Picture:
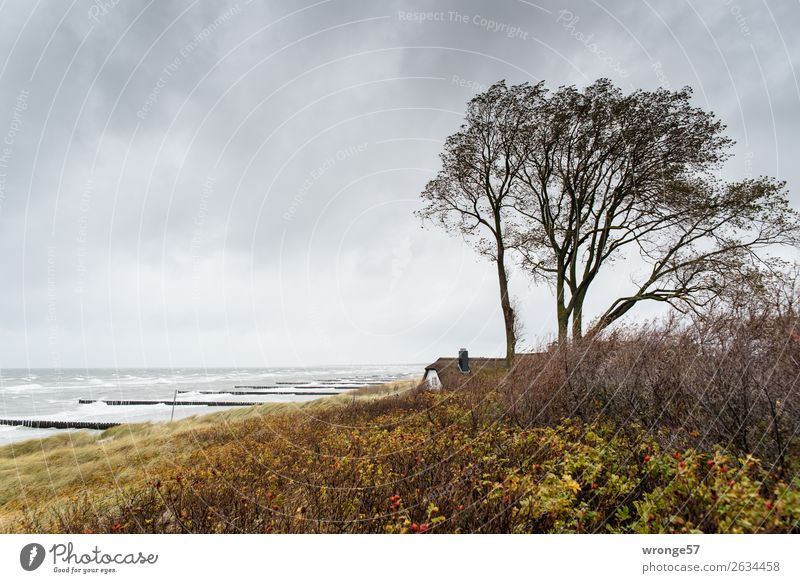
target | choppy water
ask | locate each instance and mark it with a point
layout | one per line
(51, 394)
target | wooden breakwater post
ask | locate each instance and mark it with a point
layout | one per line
(48, 424)
(300, 386)
(174, 399)
(261, 393)
(186, 403)
(289, 386)
(330, 387)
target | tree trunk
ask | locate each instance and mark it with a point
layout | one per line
(577, 324)
(505, 303)
(562, 317)
(577, 316)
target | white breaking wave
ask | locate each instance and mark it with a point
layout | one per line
(55, 394)
(19, 388)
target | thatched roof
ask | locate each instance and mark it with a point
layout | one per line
(451, 376)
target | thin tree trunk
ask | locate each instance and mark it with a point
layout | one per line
(505, 303)
(562, 317)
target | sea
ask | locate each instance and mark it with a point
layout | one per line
(48, 394)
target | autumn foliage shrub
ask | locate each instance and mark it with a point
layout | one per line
(729, 379)
(431, 462)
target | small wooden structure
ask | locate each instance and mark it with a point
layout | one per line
(445, 373)
(454, 373)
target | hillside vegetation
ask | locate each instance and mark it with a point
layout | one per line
(414, 461)
(48, 473)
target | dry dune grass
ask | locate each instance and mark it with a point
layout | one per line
(59, 466)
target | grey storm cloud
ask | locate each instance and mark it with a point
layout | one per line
(233, 183)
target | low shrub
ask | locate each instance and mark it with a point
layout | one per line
(430, 462)
(731, 378)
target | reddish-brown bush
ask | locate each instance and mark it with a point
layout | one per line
(731, 378)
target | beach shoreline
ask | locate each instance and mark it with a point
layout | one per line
(64, 465)
(81, 395)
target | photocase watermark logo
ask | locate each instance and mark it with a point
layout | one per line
(569, 21)
(31, 556)
(65, 558)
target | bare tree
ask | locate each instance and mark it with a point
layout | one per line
(476, 192)
(607, 174)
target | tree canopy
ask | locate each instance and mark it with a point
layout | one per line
(566, 182)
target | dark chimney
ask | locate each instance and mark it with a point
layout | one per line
(463, 360)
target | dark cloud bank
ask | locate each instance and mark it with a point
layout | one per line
(212, 183)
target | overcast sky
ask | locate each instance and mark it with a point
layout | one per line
(209, 183)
